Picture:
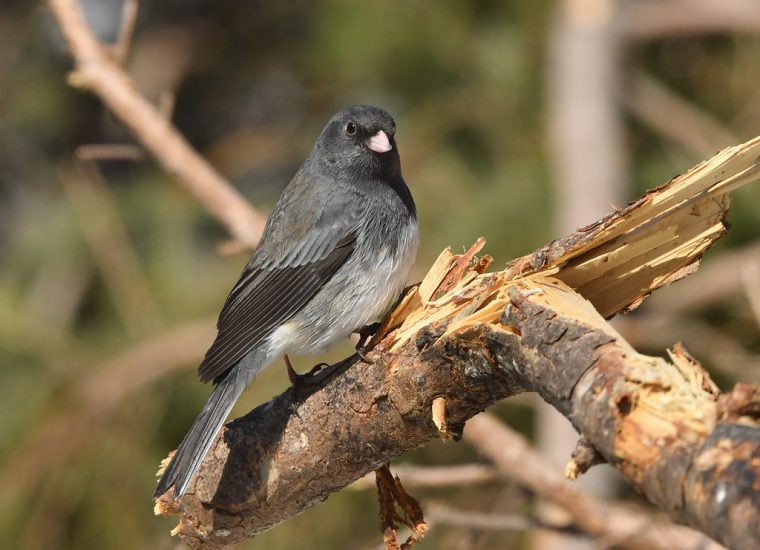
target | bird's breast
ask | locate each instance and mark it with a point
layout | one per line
(361, 290)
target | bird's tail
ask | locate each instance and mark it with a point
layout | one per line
(198, 440)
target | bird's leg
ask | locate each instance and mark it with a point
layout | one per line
(301, 379)
(302, 385)
(365, 343)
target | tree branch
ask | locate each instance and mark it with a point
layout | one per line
(653, 19)
(615, 524)
(99, 73)
(674, 117)
(539, 325)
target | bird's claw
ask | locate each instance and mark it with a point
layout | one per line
(367, 332)
(365, 343)
(361, 352)
(316, 369)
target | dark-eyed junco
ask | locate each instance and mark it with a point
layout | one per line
(336, 252)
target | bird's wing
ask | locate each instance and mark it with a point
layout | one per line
(278, 282)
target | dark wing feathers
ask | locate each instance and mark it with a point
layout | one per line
(269, 294)
(247, 280)
(316, 245)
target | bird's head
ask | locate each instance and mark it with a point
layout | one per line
(360, 140)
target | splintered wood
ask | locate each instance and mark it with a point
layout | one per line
(615, 263)
(657, 239)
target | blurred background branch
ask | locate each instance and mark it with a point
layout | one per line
(98, 72)
(657, 19)
(612, 524)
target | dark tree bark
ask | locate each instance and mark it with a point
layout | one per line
(690, 450)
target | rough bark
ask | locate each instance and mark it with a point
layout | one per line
(690, 450)
(474, 338)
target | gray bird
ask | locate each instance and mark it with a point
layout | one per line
(337, 251)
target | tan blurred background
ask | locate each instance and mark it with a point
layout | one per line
(518, 121)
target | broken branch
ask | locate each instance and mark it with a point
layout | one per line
(537, 326)
(97, 71)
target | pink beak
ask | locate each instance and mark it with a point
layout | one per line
(379, 142)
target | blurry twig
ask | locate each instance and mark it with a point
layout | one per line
(751, 278)
(546, 478)
(435, 476)
(651, 19)
(621, 525)
(675, 118)
(111, 151)
(440, 514)
(129, 12)
(166, 104)
(97, 71)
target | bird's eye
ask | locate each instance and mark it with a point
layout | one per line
(350, 128)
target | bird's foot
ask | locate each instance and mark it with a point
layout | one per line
(366, 343)
(306, 379)
(303, 385)
(367, 332)
(361, 352)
